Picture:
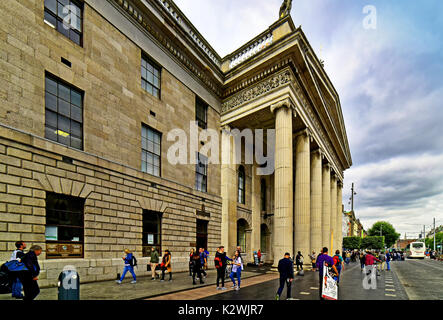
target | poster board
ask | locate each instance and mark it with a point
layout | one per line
(329, 285)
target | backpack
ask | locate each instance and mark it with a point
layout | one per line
(218, 263)
(133, 262)
(337, 261)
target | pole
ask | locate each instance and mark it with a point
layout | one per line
(434, 234)
(352, 198)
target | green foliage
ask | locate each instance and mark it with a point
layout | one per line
(372, 243)
(388, 231)
(438, 240)
(351, 242)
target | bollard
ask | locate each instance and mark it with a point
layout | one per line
(69, 285)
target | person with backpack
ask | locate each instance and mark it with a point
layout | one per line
(18, 254)
(130, 263)
(338, 263)
(220, 263)
(154, 262)
(286, 270)
(236, 270)
(166, 265)
(196, 268)
(29, 277)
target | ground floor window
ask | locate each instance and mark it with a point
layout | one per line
(64, 226)
(152, 226)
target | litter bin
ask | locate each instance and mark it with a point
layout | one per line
(69, 285)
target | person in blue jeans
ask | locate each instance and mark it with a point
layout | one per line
(388, 261)
(129, 266)
(18, 255)
(237, 267)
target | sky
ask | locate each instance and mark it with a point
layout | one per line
(390, 84)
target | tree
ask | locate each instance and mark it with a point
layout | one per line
(438, 240)
(351, 243)
(387, 231)
(372, 242)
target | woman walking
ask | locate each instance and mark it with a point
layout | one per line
(191, 255)
(166, 265)
(237, 267)
(299, 261)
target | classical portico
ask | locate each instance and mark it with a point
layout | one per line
(282, 86)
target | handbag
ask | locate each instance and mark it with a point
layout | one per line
(15, 266)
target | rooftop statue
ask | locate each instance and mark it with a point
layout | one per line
(285, 9)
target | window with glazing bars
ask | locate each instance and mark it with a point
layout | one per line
(151, 151)
(151, 77)
(201, 113)
(241, 185)
(66, 17)
(64, 113)
(201, 173)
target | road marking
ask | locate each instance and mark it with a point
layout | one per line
(390, 295)
(305, 293)
(314, 288)
(391, 290)
(389, 285)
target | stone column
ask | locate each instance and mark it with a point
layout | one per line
(333, 214)
(283, 188)
(316, 202)
(302, 203)
(326, 212)
(256, 210)
(340, 216)
(228, 192)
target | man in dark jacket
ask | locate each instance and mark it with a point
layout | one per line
(286, 269)
(29, 278)
(196, 268)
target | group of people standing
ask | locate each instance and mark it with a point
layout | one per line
(27, 278)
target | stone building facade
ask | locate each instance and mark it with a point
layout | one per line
(86, 110)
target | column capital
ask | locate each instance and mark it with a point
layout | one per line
(327, 166)
(286, 103)
(317, 151)
(306, 132)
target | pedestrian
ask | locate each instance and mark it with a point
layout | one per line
(130, 263)
(370, 261)
(18, 254)
(362, 260)
(339, 264)
(299, 261)
(196, 268)
(382, 258)
(239, 250)
(191, 265)
(166, 265)
(324, 260)
(203, 260)
(286, 270)
(313, 258)
(259, 256)
(155, 259)
(29, 278)
(388, 261)
(347, 257)
(237, 267)
(207, 255)
(220, 263)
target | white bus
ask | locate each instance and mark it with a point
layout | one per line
(416, 250)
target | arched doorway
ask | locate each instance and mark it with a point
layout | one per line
(265, 242)
(244, 238)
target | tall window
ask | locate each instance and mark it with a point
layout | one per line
(151, 77)
(64, 225)
(66, 17)
(64, 113)
(263, 194)
(201, 113)
(151, 151)
(241, 185)
(201, 173)
(202, 234)
(152, 225)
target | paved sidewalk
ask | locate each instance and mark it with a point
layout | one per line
(143, 289)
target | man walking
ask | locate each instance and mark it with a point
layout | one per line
(155, 259)
(286, 270)
(324, 260)
(29, 278)
(388, 261)
(203, 261)
(18, 255)
(339, 264)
